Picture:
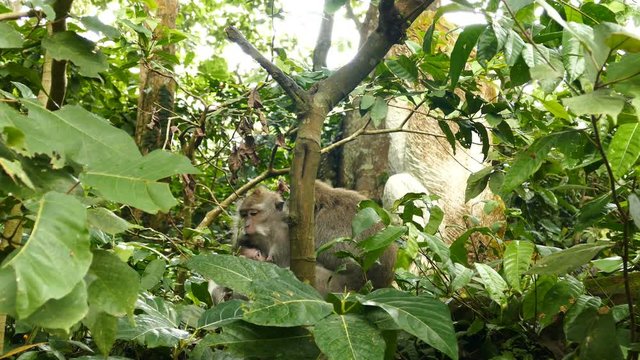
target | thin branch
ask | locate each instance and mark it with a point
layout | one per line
(299, 96)
(21, 14)
(323, 44)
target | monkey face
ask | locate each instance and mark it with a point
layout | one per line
(259, 211)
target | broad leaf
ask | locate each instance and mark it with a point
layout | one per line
(285, 302)
(516, 261)
(558, 299)
(223, 314)
(156, 326)
(11, 38)
(379, 111)
(94, 24)
(62, 313)
(493, 283)
(348, 337)
(599, 102)
(364, 220)
(104, 329)
(624, 150)
(58, 244)
(422, 316)
(67, 45)
(527, 162)
(436, 215)
(561, 262)
(513, 48)
(597, 334)
(152, 274)
(464, 45)
(477, 182)
(105, 220)
(114, 286)
(250, 341)
(382, 239)
(404, 68)
(572, 56)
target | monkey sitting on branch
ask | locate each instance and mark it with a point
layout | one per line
(264, 236)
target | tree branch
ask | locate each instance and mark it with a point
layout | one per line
(323, 44)
(299, 96)
(20, 14)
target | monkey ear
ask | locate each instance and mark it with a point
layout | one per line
(280, 205)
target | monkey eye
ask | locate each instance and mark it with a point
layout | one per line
(253, 212)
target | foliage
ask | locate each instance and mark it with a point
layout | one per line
(81, 274)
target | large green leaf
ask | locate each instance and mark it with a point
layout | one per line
(152, 274)
(62, 313)
(58, 244)
(516, 261)
(564, 261)
(235, 272)
(527, 162)
(558, 299)
(348, 337)
(157, 325)
(104, 329)
(114, 284)
(597, 335)
(599, 102)
(477, 182)
(67, 45)
(464, 45)
(617, 37)
(105, 220)
(513, 48)
(572, 56)
(379, 111)
(223, 314)
(494, 284)
(285, 301)
(404, 68)
(382, 239)
(624, 150)
(10, 38)
(422, 316)
(250, 341)
(135, 182)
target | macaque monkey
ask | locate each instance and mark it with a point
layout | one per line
(263, 216)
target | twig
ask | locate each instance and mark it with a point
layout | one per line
(20, 14)
(300, 97)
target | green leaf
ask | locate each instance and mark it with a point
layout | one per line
(285, 301)
(494, 284)
(156, 326)
(348, 337)
(248, 341)
(516, 261)
(404, 68)
(436, 215)
(364, 220)
(527, 162)
(15, 171)
(58, 244)
(379, 111)
(136, 182)
(487, 45)
(593, 211)
(558, 299)
(513, 48)
(464, 45)
(422, 316)
(618, 38)
(477, 182)
(114, 286)
(104, 329)
(224, 313)
(624, 149)
(11, 38)
(634, 209)
(105, 220)
(152, 274)
(67, 45)
(437, 246)
(235, 272)
(367, 101)
(597, 333)
(572, 56)
(515, 5)
(562, 262)
(599, 102)
(94, 24)
(382, 239)
(62, 313)
(556, 109)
